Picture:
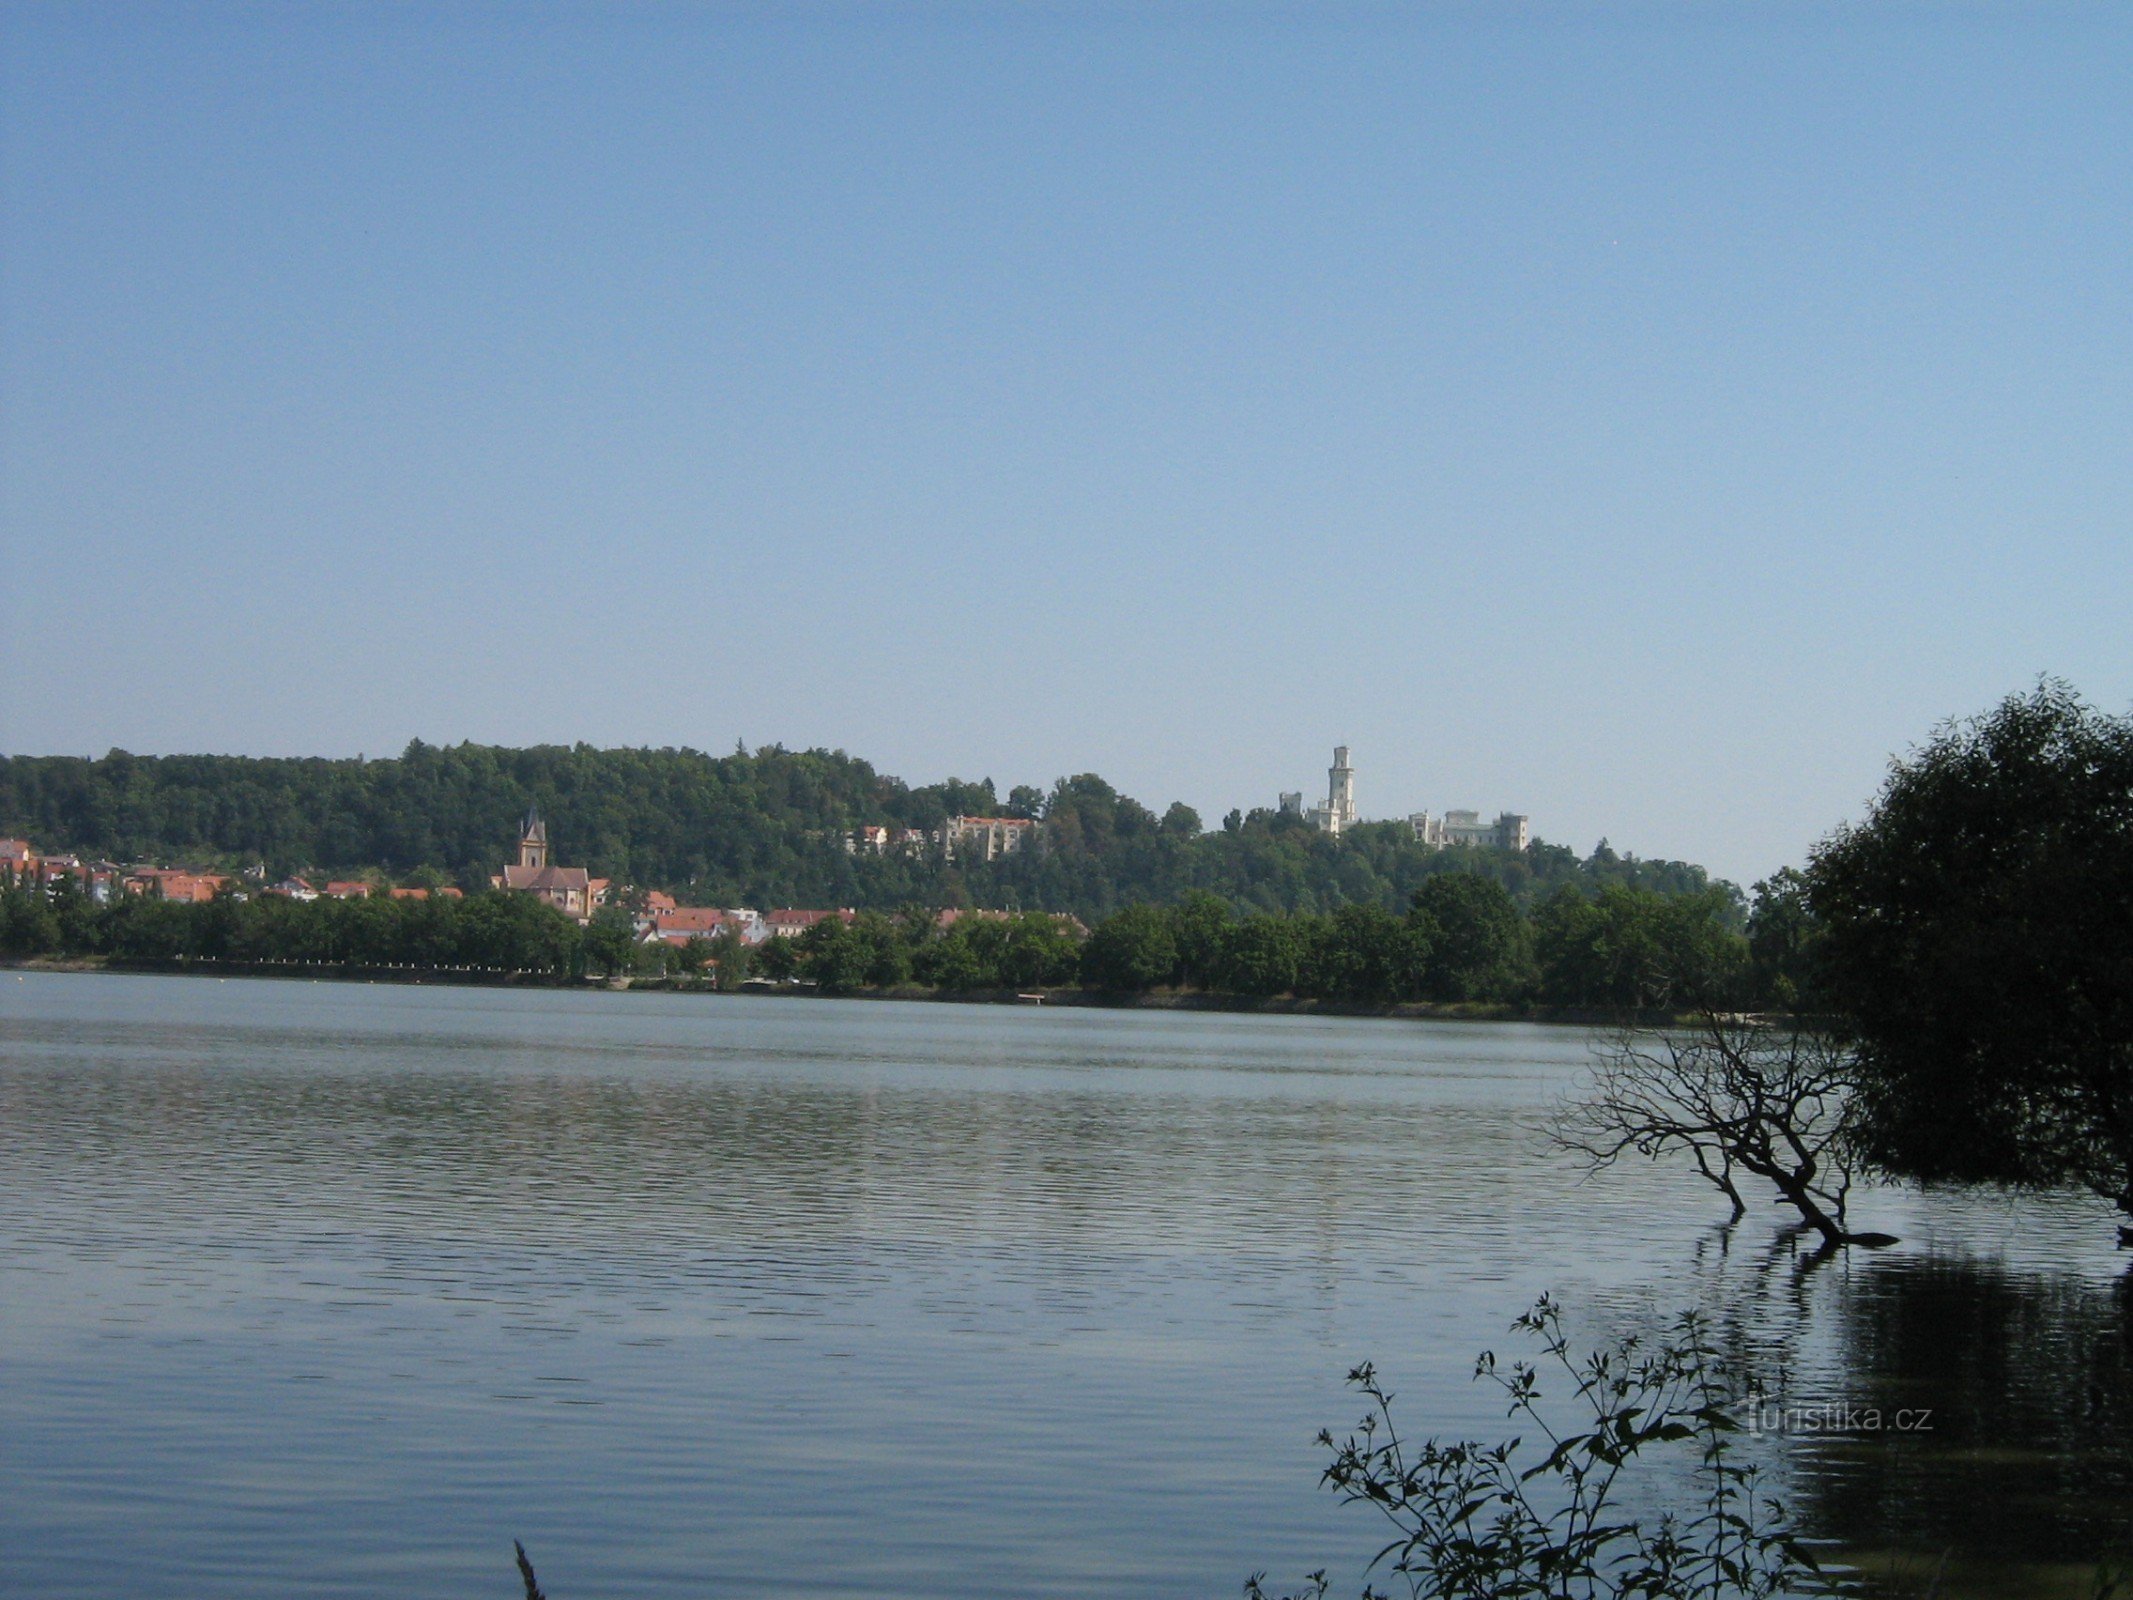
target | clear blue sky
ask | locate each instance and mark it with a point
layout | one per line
(1647, 418)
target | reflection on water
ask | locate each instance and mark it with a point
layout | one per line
(305, 1288)
(2026, 1456)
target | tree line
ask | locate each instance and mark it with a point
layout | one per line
(763, 828)
(1462, 939)
(489, 931)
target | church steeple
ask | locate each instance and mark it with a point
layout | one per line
(533, 840)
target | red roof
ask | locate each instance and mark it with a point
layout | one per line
(551, 878)
(790, 918)
(687, 920)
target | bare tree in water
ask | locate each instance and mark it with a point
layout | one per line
(1739, 1098)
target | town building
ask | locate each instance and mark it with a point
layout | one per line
(174, 883)
(788, 923)
(662, 921)
(1509, 831)
(571, 890)
(985, 838)
(677, 925)
(23, 867)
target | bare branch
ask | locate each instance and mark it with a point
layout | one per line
(1737, 1096)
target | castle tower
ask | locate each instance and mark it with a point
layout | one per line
(1340, 791)
(533, 840)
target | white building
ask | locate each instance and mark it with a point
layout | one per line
(1509, 831)
(1339, 810)
(985, 838)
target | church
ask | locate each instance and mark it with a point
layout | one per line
(571, 890)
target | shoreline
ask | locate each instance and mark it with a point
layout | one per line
(1153, 1000)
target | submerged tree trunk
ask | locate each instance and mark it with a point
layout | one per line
(1738, 1097)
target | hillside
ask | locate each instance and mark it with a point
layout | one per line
(761, 828)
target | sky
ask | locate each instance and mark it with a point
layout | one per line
(1651, 419)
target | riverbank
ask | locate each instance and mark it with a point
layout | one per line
(1153, 1000)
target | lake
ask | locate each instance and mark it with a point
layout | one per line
(328, 1289)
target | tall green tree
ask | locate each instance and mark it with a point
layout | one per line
(1976, 938)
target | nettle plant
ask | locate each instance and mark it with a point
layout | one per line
(1546, 1517)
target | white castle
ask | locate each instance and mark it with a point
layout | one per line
(1510, 830)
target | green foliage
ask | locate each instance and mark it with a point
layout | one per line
(1473, 943)
(765, 828)
(1463, 941)
(492, 932)
(1199, 923)
(776, 959)
(610, 941)
(869, 952)
(1974, 936)
(1262, 955)
(1029, 951)
(729, 959)
(1363, 953)
(1631, 948)
(1133, 951)
(1548, 1514)
(1783, 943)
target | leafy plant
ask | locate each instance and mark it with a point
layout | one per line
(1476, 1521)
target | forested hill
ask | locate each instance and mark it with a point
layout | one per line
(764, 828)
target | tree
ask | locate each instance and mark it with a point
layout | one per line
(1262, 955)
(776, 959)
(1476, 940)
(1363, 953)
(1133, 951)
(1735, 1098)
(729, 959)
(1197, 924)
(1782, 943)
(1976, 943)
(610, 941)
(1632, 948)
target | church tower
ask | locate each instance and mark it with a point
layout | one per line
(533, 840)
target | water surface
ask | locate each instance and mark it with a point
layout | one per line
(310, 1288)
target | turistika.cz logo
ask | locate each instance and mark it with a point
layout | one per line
(1765, 1415)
